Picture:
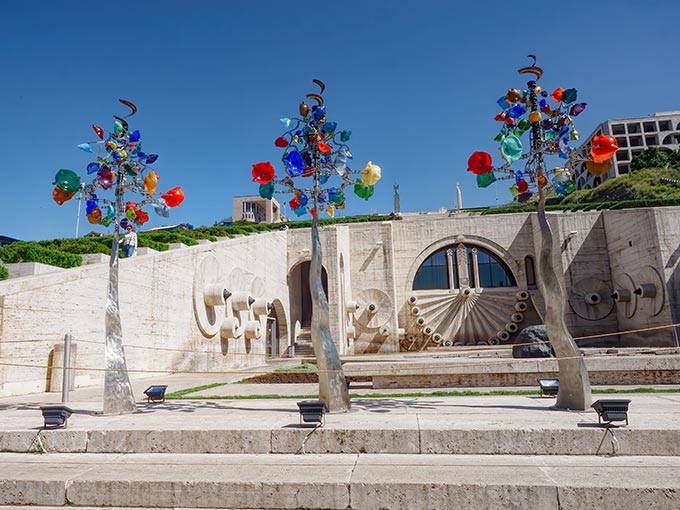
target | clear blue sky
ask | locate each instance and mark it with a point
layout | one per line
(416, 82)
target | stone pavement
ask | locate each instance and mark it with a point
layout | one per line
(411, 452)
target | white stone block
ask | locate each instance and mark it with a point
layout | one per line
(94, 258)
(21, 269)
(144, 251)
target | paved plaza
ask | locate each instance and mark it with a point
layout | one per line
(387, 452)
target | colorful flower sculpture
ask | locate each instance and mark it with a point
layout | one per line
(549, 120)
(314, 148)
(120, 162)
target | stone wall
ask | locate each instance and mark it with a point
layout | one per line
(167, 324)
(158, 312)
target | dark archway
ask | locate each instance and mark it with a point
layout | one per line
(300, 295)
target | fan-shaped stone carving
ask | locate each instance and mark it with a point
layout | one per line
(468, 317)
(591, 298)
(209, 296)
(375, 308)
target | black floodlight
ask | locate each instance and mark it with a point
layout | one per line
(312, 411)
(155, 393)
(55, 416)
(609, 410)
(549, 386)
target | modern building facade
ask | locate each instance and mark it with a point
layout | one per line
(256, 209)
(634, 135)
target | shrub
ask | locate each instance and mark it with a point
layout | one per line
(80, 245)
(169, 236)
(33, 252)
(4, 274)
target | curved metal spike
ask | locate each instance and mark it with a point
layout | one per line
(317, 98)
(321, 85)
(129, 104)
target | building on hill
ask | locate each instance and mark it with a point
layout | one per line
(179, 226)
(255, 209)
(634, 135)
(7, 240)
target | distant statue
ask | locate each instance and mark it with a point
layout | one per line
(396, 199)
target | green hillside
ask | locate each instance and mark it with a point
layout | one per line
(647, 184)
(649, 187)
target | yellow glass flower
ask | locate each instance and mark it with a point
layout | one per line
(371, 174)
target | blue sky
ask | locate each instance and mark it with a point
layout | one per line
(416, 82)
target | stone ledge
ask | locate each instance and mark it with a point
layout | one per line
(94, 258)
(428, 438)
(143, 250)
(21, 269)
(461, 372)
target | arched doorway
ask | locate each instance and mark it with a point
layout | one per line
(276, 331)
(300, 295)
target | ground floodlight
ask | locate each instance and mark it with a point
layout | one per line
(609, 410)
(312, 411)
(155, 393)
(55, 416)
(549, 386)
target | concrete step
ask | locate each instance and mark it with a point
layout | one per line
(303, 350)
(362, 481)
(586, 440)
(456, 372)
(487, 425)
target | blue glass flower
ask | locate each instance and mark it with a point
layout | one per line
(516, 111)
(91, 204)
(294, 163)
(318, 113)
(503, 103)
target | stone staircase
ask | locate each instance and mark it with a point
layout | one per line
(466, 452)
(303, 343)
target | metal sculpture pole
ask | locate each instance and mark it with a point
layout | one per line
(118, 396)
(314, 148)
(549, 135)
(332, 384)
(574, 392)
(120, 164)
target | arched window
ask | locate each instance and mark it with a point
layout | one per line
(433, 273)
(492, 272)
(531, 272)
(479, 267)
